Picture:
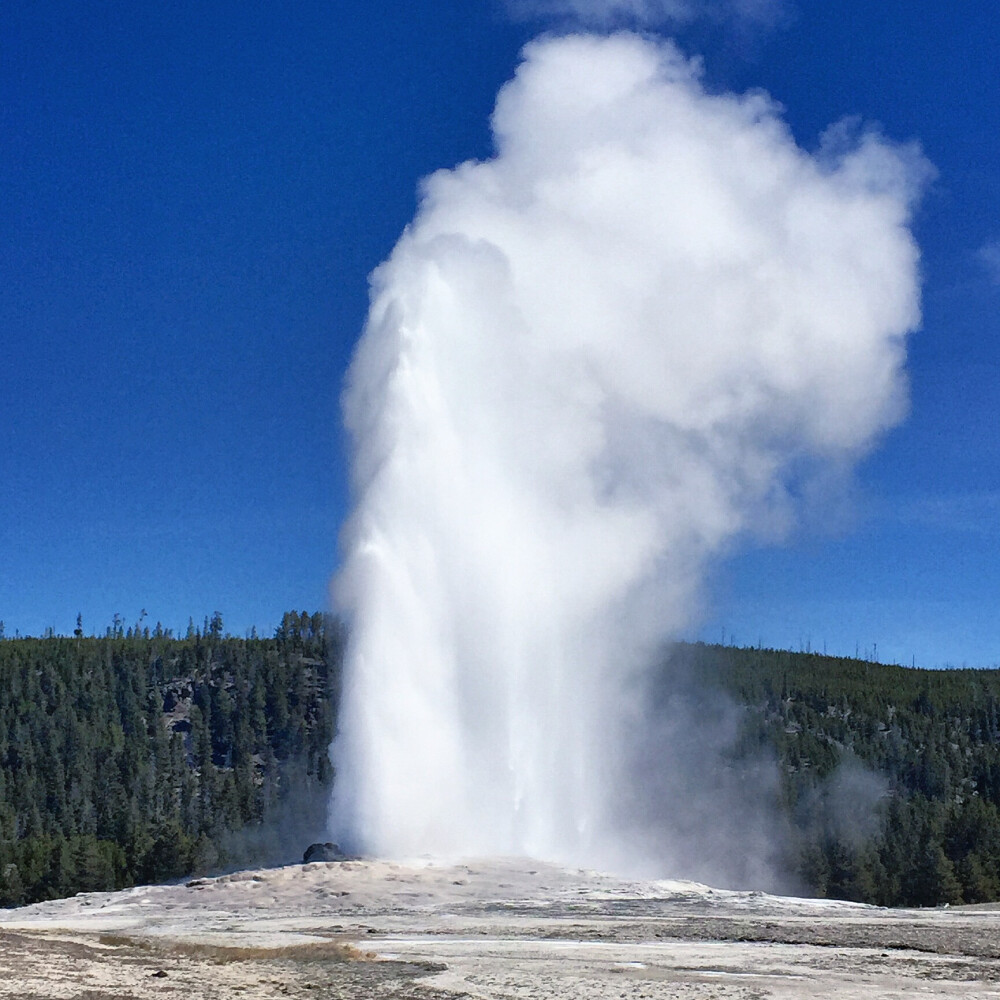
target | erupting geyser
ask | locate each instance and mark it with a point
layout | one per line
(590, 364)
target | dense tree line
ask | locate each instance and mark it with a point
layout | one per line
(914, 753)
(138, 757)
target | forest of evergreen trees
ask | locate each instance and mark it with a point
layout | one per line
(919, 748)
(140, 757)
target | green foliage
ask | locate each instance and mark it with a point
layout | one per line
(932, 739)
(140, 757)
(134, 756)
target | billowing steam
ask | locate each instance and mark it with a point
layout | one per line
(591, 364)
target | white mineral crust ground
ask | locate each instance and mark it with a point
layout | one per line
(498, 928)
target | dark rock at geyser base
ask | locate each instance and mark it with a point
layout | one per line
(324, 852)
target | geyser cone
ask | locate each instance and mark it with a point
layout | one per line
(590, 364)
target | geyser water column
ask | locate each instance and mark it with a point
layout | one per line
(591, 363)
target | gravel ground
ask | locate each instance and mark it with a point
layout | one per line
(496, 929)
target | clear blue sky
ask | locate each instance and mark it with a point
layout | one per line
(194, 194)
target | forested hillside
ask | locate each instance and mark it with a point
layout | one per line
(138, 757)
(918, 752)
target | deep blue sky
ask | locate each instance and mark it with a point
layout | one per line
(194, 194)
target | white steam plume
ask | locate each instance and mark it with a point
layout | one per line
(590, 364)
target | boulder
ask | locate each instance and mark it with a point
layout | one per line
(323, 852)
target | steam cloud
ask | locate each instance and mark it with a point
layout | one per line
(591, 365)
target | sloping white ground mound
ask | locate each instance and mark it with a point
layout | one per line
(511, 929)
